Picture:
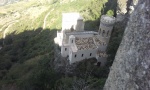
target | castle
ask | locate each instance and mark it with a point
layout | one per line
(78, 44)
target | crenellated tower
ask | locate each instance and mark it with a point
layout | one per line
(105, 30)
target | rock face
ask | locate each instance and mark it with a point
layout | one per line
(131, 67)
(124, 8)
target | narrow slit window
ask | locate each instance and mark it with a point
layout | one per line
(75, 55)
(82, 55)
(107, 33)
(90, 54)
(65, 49)
(99, 31)
(72, 41)
(103, 33)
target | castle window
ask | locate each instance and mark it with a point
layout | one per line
(90, 54)
(98, 64)
(65, 49)
(75, 55)
(107, 33)
(82, 55)
(103, 33)
(99, 31)
(72, 41)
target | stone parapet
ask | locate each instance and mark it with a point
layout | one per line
(108, 20)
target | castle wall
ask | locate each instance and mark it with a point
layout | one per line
(105, 32)
(102, 60)
(81, 55)
(71, 40)
(59, 38)
(102, 48)
(80, 25)
(65, 50)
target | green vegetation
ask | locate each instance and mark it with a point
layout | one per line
(27, 57)
(110, 13)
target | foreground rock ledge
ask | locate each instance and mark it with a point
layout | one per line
(131, 67)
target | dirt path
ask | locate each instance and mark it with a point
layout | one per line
(44, 24)
(6, 27)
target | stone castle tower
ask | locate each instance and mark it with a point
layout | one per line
(105, 30)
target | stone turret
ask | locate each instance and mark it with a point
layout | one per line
(105, 29)
(109, 20)
(106, 26)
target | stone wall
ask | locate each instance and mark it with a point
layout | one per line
(131, 67)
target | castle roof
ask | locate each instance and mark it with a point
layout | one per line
(98, 41)
(85, 43)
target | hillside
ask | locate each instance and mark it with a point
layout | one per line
(27, 54)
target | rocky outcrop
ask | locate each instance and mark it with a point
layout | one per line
(124, 8)
(131, 67)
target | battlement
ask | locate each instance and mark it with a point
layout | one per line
(108, 20)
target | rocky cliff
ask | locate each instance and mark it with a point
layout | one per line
(131, 67)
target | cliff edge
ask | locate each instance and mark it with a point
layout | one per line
(131, 67)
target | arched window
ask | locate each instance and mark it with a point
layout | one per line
(107, 33)
(100, 31)
(103, 33)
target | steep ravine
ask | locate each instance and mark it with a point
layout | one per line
(131, 67)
